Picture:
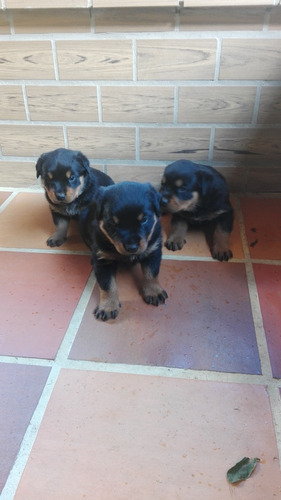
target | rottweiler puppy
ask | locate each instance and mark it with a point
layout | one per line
(70, 185)
(197, 194)
(124, 226)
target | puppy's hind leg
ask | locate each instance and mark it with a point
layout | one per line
(60, 236)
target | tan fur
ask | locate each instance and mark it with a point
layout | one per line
(177, 205)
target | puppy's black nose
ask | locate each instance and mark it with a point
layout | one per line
(60, 196)
(131, 247)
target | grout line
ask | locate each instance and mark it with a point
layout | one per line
(8, 201)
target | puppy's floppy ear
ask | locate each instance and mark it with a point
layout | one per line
(204, 182)
(39, 165)
(155, 198)
(83, 160)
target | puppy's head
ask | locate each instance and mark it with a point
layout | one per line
(180, 187)
(127, 214)
(62, 173)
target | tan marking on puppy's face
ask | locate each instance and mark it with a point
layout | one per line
(70, 193)
(176, 204)
(178, 182)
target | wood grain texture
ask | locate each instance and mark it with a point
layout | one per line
(218, 18)
(51, 21)
(128, 20)
(4, 24)
(45, 4)
(103, 142)
(251, 59)
(136, 173)
(248, 145)
(134, 3)
(11, 103)
(18, 174)
(216, 104)
(176, 59)
(270, 105)
(26, 60)
(62, 103)
(174, 143)
(29, 140)
(95, 59)
(137, 104)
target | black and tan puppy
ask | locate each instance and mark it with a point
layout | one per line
(197, 194)
(70, 185)
(125, 226)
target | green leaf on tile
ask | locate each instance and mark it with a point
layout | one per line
(242, 470)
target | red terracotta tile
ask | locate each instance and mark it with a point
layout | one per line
(118, 436)
(262, 217)
(38, 295)
(27, 223)
(4, 196)
(21, 388)
(268, 280)
(206, 323)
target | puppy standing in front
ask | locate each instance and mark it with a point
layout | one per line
(124, 226)
(70, 185)
(197, 194)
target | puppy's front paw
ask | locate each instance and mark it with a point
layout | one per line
(175, 243)
(107, 310)
(154, 294)
(221, 254)
(55, 240)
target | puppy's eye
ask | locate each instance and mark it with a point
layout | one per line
(72, 178)
(144, 220)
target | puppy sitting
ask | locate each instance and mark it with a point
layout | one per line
(197, 194)
(70, 185)
(125, 226)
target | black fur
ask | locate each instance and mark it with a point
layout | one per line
(70, 186)
(124, 225)
(205, 189)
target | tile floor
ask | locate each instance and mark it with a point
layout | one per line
(158, 404)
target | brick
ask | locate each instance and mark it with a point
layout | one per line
(103, 142)
(134, 20)
(270, 105)
(275, 19)
(45, 4)
(95, 60)
(226, 3)
(26, 60)
(11, 103)
(61, 103)
(4, 24)
(135, 3)
(234, 177)
(251, 59)
(136, 173)
(247, 145)
(216, 104)
(219, 18)
(29, 140)
(18, 174)
(137, 104)
(170, 144)
(176, 59)
(52, 21)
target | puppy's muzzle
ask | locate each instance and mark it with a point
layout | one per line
(60, 196)
(131, 247)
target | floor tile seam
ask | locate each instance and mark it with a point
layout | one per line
(254, 299)
(7, 202)
(45, 251)
(30, 435)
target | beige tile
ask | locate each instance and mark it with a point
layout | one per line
(60, 103)
(174, 143)
(275, 19)
(216, 104)
(134, 3)
(137, 104)
(103, 142)
(142, 437)
(247, 145)
(52, 21)
(264, 180)
(29, 140)
(17, 174)
(141, 173)
(251, 59)
(234, 176)
(45, 4)
(220, 18)
(226, 3)
(4, 24)
(134, 20)
(26, 60)
(270, 105)
(176, 59)
(11, 103)
(95, 59)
